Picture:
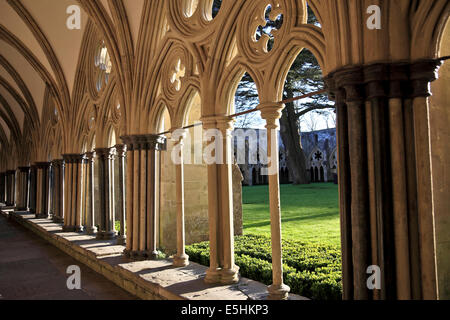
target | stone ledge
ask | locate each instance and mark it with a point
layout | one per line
(149, 280)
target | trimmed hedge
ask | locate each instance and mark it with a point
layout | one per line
(311, 270)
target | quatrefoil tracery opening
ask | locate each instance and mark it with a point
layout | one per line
(268, 30)
(103, 66)
(178, 73)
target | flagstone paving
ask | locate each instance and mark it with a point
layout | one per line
(33, 269)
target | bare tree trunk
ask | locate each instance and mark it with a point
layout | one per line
(296, 160)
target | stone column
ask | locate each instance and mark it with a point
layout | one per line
(33, 189)
(90, 194)
(422, 73)
(271, 112)
(105, 158)
(80, 192)
(121, 151)
(220, 205)
(19, 187)
(68, 160)
(73, 197)
(2, 188)
(385, 179)
(42, 192)
(11, 188)
(141, 197)
(58, 191)
(181, 259)
(24, 189)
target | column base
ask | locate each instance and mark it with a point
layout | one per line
(42, 216)
(69, 229)
(229, 276)
(21, 209)
(106, 235)
(91, 230)
(181, 261)
(121, 240)
(58, 219)
(141, 255)
(278, 292)
(213, 276)
(79, 229)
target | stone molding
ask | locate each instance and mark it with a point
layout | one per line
(105, 153)
(58, 162)
(121, 150)
(383, 80)
(43, 165)
(74, 158)
(145, 142)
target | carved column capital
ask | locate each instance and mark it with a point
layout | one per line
(105, 153)
(399, 77)
(121, 150)
(376, 78)
(73, 158)
(209, 122)
(421, 74)
(58, 162)
(90, 156)
(351, 80)
(391, 80)
(271, 112)
(225, 124)
(43, 165)
(145, 142)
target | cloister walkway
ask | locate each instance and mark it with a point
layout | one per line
(33, 269)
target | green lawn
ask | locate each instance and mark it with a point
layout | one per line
(308, 212)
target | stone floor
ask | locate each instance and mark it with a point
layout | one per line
(144, 279)
(33, 269)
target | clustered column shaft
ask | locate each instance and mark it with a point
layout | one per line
(121, 151)
(90, 223)
(73, 197)
(42, 190)
(220, 205)
(385, 179)
(58, 191)
(141, 197)
(3, 187)
(105, 158)
(10, 188)
(23, 202)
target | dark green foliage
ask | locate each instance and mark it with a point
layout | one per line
(311, 270)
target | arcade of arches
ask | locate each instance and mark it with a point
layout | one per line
(81, 112)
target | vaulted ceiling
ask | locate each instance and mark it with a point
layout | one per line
(38, 51)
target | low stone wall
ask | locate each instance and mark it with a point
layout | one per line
(149, 280)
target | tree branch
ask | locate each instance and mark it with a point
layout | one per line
(307, 110)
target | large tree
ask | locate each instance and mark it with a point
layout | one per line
(305, 76)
